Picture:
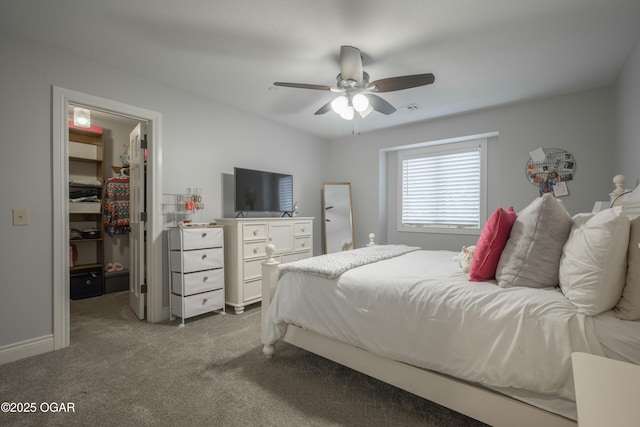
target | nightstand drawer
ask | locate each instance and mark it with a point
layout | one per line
(198, 260)
(199, 238)
(197, 304)
(254, 231)
(201, 281)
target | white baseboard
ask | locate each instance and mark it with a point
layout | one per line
(24, 349)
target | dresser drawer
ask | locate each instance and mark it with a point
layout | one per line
(302, 243)
(198, 260)
(199, 238)
(197, 282)
(254, 249)
(252, 289)
(197, 304)
(302, 228)
(253, 268)
(254, 231)
(295, 256)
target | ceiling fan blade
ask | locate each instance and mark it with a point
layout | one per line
(402, 82)
(351, 63)
(303, 86)
(325, 108)
(380, 104)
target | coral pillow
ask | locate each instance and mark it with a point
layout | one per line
(492, 240)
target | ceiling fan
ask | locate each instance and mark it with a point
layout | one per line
(357, 92)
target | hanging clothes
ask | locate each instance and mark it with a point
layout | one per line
(116, 206)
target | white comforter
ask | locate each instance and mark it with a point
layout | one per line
(420, 308)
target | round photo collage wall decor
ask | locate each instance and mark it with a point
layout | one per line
(550, 169)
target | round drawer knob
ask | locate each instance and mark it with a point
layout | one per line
(302, 229)
(204, 300)
(205, 278)
(302, 244)
(255, 250)
(255, 232)
(204, 235)
(204, 256)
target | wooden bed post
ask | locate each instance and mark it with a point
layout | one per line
(269, 283)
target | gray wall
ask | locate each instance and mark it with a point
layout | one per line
(581, 123)
(627, 152)
(201, 141)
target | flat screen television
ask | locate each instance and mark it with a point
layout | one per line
(262, 191)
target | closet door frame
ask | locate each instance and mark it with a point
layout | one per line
(61, 299)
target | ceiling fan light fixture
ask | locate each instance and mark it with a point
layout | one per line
(364, 113)
(347, 113)
(360, 102)
(340, 104)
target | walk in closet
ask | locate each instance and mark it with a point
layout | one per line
(99, 189)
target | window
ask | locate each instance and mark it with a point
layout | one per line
(442, 188)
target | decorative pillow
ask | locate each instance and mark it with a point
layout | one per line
(490, 245)
(594, 261)
(532, 254)
(628, 307)
(465, 258)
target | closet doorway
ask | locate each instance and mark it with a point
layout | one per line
(103, 254)
(141, 252)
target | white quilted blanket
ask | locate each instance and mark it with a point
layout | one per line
(333, 265)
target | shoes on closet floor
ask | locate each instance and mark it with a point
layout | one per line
(116, 266)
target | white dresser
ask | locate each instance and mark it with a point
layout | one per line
(244, 246)
(196, 270)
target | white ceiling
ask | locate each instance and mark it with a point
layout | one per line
(482, 52)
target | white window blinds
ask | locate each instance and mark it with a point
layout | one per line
(442, 186)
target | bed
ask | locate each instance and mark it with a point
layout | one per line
(497, 350)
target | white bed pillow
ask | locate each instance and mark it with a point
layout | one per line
(532, 254)
(593, 266)
(628, 307)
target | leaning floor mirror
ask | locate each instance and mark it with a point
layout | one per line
(337, 216)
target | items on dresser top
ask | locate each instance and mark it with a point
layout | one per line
(196, 267)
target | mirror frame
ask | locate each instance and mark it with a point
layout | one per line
(326, 185)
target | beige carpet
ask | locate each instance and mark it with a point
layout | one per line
(119, 371)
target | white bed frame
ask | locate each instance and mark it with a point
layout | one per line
(474, 401)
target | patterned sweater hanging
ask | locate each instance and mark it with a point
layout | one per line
(116, 206)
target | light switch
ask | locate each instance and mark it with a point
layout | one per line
(21, 217)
